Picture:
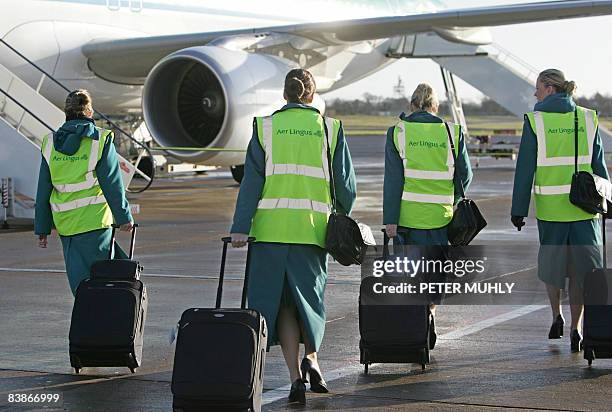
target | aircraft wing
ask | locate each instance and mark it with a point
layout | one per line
(130, 60)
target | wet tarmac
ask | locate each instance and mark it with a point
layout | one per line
(487, 357)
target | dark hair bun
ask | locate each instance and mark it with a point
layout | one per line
(296, 87)
(299, 86)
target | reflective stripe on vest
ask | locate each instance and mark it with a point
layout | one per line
(556, 150)
(90, 181)
(285, 203)
(75, 204)
(552, 190)
(423, 198)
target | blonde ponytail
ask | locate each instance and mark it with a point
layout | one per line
(556, 79)
(424, 98)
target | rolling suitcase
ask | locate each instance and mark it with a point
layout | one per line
(220, 355)
(109, 313)
(391, 332)
(597, 323)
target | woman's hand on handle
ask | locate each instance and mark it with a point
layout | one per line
(391, 230)
(239, 239)
(42, 241)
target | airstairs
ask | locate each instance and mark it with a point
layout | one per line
(26, 117)
(493, 70)
(453, 98)
(498, 74)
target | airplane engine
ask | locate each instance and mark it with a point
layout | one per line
(205, 97)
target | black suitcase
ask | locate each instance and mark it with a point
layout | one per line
(108, 315)
(597, 322)
(391, 333)
(220, 355)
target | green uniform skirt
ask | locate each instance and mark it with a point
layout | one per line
(81, 250)
(567, 247)
(289, 274)
(424, 237)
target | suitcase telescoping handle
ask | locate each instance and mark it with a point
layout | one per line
(385, 244)
(132, 242)
(227, 240)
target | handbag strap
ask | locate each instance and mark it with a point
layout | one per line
(576, 141)
(329, 167)
(452, 147)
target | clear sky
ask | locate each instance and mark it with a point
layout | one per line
(582, 48)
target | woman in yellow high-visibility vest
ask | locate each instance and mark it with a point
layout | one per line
(570, 238)
(79, 194)
(421, 177)
(284, 203)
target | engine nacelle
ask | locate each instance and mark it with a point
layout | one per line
(206, 97)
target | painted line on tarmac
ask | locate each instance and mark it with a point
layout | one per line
(33, 270)
(167, 275)
(514, 272)
(487, 323)
(160, 275)
(281, 392)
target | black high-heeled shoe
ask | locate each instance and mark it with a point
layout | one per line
(310, 374)
(556, 329)
(297, 394)
(576, 341)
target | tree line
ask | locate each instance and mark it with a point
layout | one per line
(377, 105)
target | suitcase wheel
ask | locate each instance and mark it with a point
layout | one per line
(424, 358)
(365, 369)
(589, 355)
(133, 370)
(77, 370)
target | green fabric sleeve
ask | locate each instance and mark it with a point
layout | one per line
(598, 163)
(393, 185)
(463, 169)
(344, 175)
(251, 186)
(525, 171)
(43, 219)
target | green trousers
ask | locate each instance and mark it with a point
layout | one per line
(81, 250)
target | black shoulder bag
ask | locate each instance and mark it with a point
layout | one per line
(467, 220)
(588, 191)
(344, 239)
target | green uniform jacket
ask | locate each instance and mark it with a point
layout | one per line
(81, 250)
(394, 183)
(584, 235)
(282, 273)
